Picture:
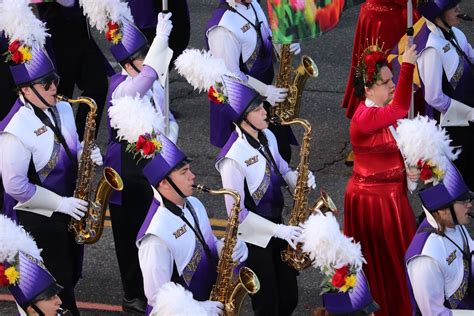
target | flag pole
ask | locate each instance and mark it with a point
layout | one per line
(410, 32)
(167, 84)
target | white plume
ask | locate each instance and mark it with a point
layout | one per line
(14, 238)
(173, 299)
(200, 68)
(422, 138)
(100, 12)
(327, 245)
(18, 22)
(231, 3)
(134, 116)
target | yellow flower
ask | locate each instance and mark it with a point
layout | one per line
(12, 275)
(158, 144)
(350, 283)
(116, 36)
(26, 52)
(438, 173)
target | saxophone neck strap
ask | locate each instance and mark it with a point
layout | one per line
(262, 146)
(176, 210)
(55, 128)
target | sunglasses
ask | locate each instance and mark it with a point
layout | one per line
(48, 81)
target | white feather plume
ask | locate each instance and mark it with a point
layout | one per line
(173, 299)
(134, 116)
(327, 245)
(18, 22)
(14, 238)
(421, 138)
(200, 68)
(100, 12)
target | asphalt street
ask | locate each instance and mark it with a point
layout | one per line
(100, 290)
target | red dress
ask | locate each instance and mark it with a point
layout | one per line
(376, 208)
(385, 20)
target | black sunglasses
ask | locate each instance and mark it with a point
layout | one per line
(48, 81)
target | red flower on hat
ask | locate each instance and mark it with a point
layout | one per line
(339, 278)
(147, 146)
(215, 95)
(17, 57)
(14, 46)
(140, 143)
(3, 278)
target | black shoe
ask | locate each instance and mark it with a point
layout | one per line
(135, 305)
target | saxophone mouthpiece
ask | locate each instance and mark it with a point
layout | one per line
(201, 187)
(470, 214)
(60, 97)
(465, 17)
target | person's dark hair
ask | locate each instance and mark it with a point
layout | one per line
(140, 54)
(360, 85)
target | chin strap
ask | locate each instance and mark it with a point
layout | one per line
(134, 67)
(252, 126)
(40, 97)
(37, 310)
(175, 187)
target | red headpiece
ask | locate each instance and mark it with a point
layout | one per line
(368, 66)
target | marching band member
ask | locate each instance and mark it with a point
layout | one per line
(40, 150)
(84, 65)
(447, 73)
(176, 243)
(21, 269)
(238, 33)
(439, 258)
(143, 74)
(250, 164)
(377, 212)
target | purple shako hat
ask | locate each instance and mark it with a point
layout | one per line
(431, 9)
(452, 188)
(241, 99)
(38, 67)
(132, 41)
(164, 162)
(357, 299)
(35, 282)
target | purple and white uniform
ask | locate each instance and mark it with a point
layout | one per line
(239, 163)
(169, 250)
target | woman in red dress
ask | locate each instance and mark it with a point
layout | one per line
(376, 208)
(384, 21)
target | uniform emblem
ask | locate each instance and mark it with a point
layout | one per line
(180, 231)
(43, 129)
(451, 257)
(245, 28)
(251, 160)
(446, 48)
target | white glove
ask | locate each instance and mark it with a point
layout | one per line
(96, 156)
(164, 25)
(295, 48)
(212, 308)
(73, 207)
(240, 252)
(311, 180)
(273, 94)
(288, 233)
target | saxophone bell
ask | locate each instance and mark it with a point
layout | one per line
(324, 204)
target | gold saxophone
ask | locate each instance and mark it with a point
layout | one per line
(226, 290)
(290, 108)
(89, 228)
(300, 212)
